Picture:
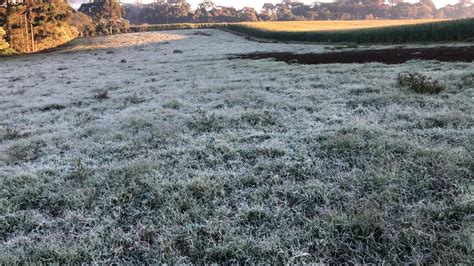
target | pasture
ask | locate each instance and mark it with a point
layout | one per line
(156, 148)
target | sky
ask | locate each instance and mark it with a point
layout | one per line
(257, 4)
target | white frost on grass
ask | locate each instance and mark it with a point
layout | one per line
(183, 142)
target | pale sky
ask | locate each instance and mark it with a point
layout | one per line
(257, 4)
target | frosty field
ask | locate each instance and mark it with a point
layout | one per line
(155, 147)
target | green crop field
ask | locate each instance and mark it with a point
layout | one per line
(390, 31)
(332, 25)
(444, 31)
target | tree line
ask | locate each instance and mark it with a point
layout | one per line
(208, 12)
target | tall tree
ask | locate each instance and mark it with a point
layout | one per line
(284, 12)
(248, 14)
(107, 14)
(268, 12)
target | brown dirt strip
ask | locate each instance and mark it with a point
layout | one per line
(386, 56)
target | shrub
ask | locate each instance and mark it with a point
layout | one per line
(177, 26)
(419, 83)
(4, 45)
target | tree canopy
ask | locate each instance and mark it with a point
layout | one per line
(208, 12)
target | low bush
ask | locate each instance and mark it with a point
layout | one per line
(177, 26)
(5, 48)
(419, 83)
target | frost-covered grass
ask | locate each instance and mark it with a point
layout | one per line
(139, 154)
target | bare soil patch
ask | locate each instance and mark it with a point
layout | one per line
(386, 56)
